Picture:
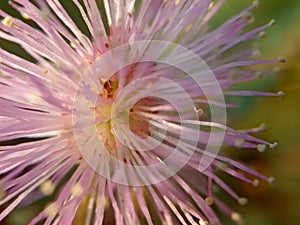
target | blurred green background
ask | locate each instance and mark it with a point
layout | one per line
(279, 204)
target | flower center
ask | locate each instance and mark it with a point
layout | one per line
(130, 117)
(104, 115)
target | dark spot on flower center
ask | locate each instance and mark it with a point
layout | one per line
(109, 88)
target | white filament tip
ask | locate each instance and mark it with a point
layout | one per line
(255, 4)
(281, 59)
(243, 201)
(261, 147)
(271, 180)
(255, 183)
(8, 21)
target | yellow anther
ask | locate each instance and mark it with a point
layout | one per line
(52, 209)
(8, 21)
(209, 200)
(236, 217)
(103, 201)
(203, 222)
(47, 188)
(25, 16)
(77, 189)
(73, 45)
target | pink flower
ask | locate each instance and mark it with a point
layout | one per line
(127, 96)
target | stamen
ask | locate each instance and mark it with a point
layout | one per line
(236, 217)
(73, 45)
(255, 183)
(77, 190)
(33, 99)
(25, 15)
(247, 16)
(261, 147)
(262, 34)
(203, 222)
(262, 126)
(103, 201)
(239, 143)
(271, 180)
(209, 200)
(8, 21)
(47, 188)
(274, 145)
(251, 20)
(52, 209)
(280, 94)
(271, 23)
(255, 4)
(243, 201)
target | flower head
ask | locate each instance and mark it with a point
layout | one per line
(125, 99)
